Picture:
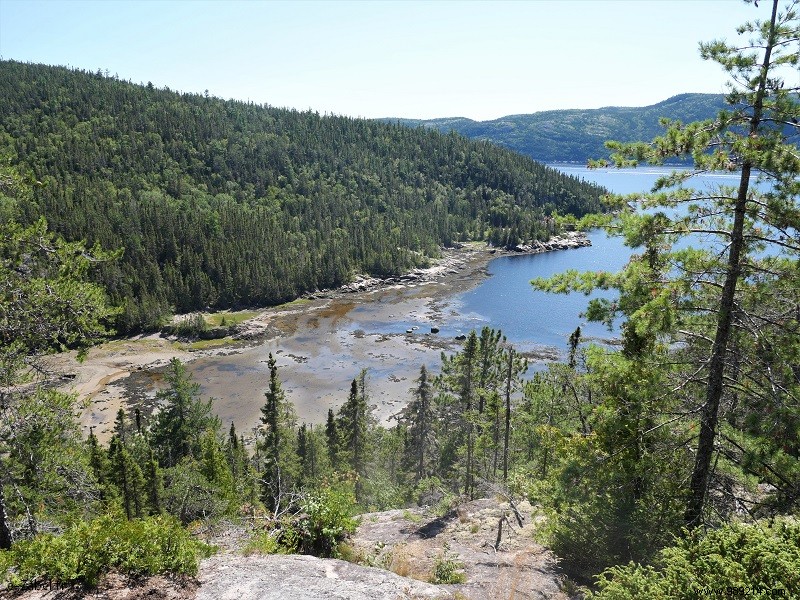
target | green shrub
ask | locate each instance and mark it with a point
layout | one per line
(447, 568)
(323, 520)
(759, 562)
(263, 542)
(191, 326)
(88, 549)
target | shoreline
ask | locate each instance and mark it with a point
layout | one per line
(122, 373)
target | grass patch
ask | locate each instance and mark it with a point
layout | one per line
(228, 318)
(412, 516)
(206, 344)
(293, 303)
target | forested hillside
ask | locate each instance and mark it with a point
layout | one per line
(225, 203)
(578, 135)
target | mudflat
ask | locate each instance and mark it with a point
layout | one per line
(320, 345)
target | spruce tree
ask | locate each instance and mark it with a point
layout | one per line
(353, 425)
(126, 472)
(459, 381)
(419, 418)
(277, 443)
(181, 423)
(332, 440)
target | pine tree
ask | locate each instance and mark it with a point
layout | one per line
(332, 440)
(154, 482)
(353, 424)
(277, 445)
(515, 367)
(50, 307)
(752, 138)
(708, 330)
(101, 467)
(459, 380)
(217, 471)
(126, 472)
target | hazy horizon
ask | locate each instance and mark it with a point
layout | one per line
(418, 60)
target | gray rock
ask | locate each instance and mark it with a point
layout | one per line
(278, 577)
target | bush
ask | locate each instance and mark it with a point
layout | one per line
(88, 549)
(319, 523)
(263, 542)
(758, 561)
(190, 326)
(447, 568)
(323, 522)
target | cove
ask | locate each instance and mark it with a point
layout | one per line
(321, 346)
(540, 322)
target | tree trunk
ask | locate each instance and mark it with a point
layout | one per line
(508, 415)
(709, 416)
(5, 532)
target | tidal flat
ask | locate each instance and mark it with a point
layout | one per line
(320, 345)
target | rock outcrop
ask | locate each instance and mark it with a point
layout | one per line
(566, 241)
(410, 541)
(276, 577)
(402, 546)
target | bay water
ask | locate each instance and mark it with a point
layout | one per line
(388, 332)
(537, 321)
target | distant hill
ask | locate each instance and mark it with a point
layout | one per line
(576, 135)
(227, 204)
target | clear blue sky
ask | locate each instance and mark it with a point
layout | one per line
(480, 60)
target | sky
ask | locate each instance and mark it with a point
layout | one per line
(481, 60)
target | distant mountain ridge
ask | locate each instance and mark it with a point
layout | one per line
(576, 135)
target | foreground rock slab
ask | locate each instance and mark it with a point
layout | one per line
(274, 577)
(411, 541)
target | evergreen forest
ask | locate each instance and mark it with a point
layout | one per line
(221, 204)
(665, 465)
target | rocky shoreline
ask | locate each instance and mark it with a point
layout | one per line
(453, 262)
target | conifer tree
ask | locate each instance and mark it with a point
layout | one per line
(514, 368)
(240, 467)
(419, 417)
(278, 439)
(126, 472)
(217, 471)
(332, 440)
(154, 481)
(708, 329)
(353, 425)
(101, 467)
(302, 451)
(48, 305)
(181, 423)
(459, 380)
